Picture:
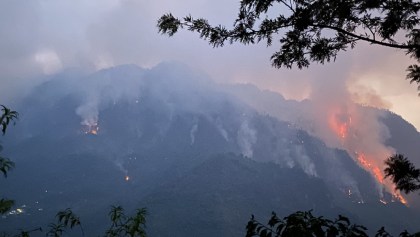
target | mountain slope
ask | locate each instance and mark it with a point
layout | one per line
(169, 139)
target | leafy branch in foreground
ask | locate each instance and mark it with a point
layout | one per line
(6, 164)
(7, 116)
(303, 224)
(5, 205)
(121, 225)
(313, 30)
(402, 173)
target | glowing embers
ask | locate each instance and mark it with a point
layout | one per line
(92, 128)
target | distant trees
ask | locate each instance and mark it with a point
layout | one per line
(314, 30)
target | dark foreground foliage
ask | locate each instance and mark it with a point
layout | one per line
(403, 174)
(305, 224)
(7, 116)
(121, 224)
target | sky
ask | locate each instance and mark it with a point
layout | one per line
(43, 37)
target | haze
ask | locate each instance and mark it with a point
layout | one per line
(113, 113)
(43, 37)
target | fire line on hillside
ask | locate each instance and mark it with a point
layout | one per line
(342, 124)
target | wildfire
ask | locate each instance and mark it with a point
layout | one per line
(341, 124)
(127, 178)
(92, 129)
(377, 173)
(399, 197)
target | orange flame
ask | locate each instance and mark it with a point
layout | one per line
(341, 125)
(91, 129)
(377, 173)
(399, 197)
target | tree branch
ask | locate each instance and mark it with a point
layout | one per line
(398, 46)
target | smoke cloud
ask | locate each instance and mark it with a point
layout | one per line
(41, 38)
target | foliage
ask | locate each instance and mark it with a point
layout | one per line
(7, 116)
(5, 205)
(314, 30)
(22, 233)
(6, 164)
(402, 173)
(121, 225)
(304, 224)
(65, 219)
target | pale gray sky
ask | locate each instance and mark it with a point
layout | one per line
(41, 37)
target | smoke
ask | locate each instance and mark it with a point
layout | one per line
(120, 165)
(246, 138)
(221, 129)
(342, 123)
(107, 88)
(304, 161)
(100, 34)
(333, 114)
(368, 96)
(193, 131)
(89, 111)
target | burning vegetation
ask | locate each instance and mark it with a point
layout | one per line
(345, 128)
(92, 129)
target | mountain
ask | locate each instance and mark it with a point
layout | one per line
(391, 132)
(198, 155)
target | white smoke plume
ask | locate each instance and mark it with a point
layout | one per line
(221, 129)
(193, 131)
(89, 112)
(104, 89)
(246, 138)
(304, 161)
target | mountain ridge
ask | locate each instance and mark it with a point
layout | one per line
(163, 135)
